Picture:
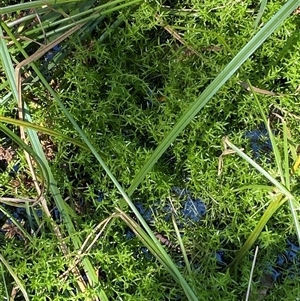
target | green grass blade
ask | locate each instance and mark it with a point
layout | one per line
(182, 248)
(292, 145)
(262, 8)
(286, 157)
(213, 88)
(16, 223)
(161, 255)
(6, 61)
(272, 208)
(24, 146)
(282, 188)
(271, 136)
(293, 205)
(4, 282)
(33, 4)
(44, 130)
(14, 275)
(29, 213)
(294, 210)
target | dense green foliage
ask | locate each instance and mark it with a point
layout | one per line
(126, 89)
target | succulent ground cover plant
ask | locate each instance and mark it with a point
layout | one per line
(164, 138)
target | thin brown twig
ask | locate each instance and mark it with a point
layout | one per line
(16, 201)
(82, 251)
(260, 91)
(176, 35)
(285, 112)
(21, 38)
(41, 24)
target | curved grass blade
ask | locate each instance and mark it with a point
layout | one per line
(23, 145)
(14, 275)
(16, 223)
(282, 188)
(214, 87)
(44, 130)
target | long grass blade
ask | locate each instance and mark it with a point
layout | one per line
(271, 136)
(4, 282)
(44, 130)
(14, 275)
(182, 248)
(214, 87)
(286, 156)
(251, 275)
(272, 208)
(293, 205)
